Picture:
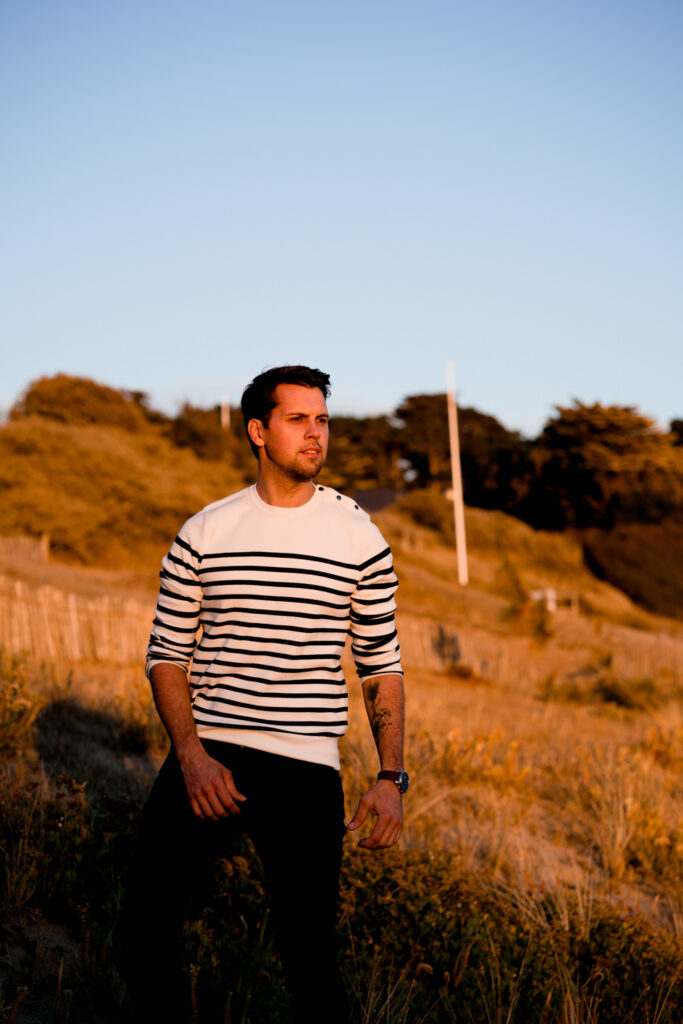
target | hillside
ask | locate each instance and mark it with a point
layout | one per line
(504, 635)
(539, 874)
(543, 824)
(109, 479)
(105, 495)
(643, 559)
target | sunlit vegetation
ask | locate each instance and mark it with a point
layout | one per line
(539, 877)
(110, 477)
(107, 492)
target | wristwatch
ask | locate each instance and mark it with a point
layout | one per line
(400, 777)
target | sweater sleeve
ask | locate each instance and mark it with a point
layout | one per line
(374, 641)
(176, 622)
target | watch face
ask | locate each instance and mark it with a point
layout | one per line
(403, 781)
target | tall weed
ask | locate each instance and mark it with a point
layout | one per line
(19, 702)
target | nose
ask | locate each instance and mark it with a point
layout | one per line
(313, 429)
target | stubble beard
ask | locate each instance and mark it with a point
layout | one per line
(295, 471)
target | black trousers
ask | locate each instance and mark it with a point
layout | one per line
(294, 815)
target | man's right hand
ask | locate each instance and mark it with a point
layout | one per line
(210, 787)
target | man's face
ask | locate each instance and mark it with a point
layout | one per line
(296, 435)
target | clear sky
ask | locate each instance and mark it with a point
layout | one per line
(191, 192)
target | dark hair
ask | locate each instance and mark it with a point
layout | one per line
(257, 398)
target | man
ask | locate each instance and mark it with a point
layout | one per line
(275, 577)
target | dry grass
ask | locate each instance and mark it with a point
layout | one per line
(540, 875)
(509, 819)
(105, 496)
(546, 797)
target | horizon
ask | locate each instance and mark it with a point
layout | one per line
(173, 409)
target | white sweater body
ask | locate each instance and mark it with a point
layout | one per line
(257, 601)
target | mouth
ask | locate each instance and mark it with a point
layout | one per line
(311, 451)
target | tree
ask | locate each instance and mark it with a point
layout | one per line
(597, 465)
(364, 453)
(423, 434)
(496, 466)
(200, 429)
(494, 460)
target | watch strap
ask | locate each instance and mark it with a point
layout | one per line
(399, 777)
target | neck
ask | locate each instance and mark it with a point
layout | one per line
(283, 492)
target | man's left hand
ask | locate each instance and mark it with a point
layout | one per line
(384, 801)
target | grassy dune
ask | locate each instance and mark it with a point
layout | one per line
(106, 496)
(539, 878)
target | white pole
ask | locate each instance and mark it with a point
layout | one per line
(456, 475)
(225, 413)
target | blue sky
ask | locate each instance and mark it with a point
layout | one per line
(192, 192)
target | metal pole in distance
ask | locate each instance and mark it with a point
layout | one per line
(225, 413)
(456, 475)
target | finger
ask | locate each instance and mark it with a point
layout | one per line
(217, 794)
(212, 803)
(360, 815)
(221, 803)
(232, 789)
(393, 838)
(202, 807)
(196, 809)
(221, 800)
(379, 844)
(375, 841)
(385, 833)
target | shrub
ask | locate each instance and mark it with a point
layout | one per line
(19, 703)
(105, 496)
(79, 401)
(643, 560)
(430, 508)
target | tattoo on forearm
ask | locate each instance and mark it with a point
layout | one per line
(379, 714)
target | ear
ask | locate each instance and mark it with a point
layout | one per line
(255, 431)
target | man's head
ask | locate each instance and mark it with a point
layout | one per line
(259, 398)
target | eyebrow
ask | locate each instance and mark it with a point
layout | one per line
(299, 412)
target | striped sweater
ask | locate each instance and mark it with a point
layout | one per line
(256, 601)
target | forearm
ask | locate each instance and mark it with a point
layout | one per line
(172, 698)
(210, 785)
(384, 703)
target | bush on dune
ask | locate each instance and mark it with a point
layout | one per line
(645, 560)
(102, 474)
(79, 401)
(105, 496)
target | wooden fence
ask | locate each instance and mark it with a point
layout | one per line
(51, 625)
